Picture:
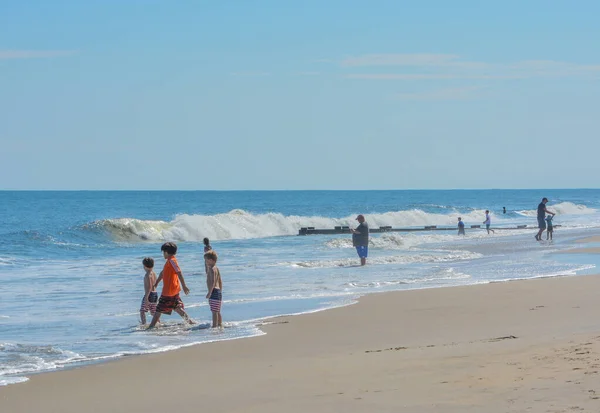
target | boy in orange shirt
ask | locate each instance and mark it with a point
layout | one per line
(171, 277)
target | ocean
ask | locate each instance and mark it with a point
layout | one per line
(71, 276)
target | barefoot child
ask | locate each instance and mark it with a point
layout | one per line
(215, 287)
(549, 229)
(172, 278)
(150, 296)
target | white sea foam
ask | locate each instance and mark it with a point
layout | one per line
(239, 224)
(385, 241)
(408, 241)
(564, 208)
(443, 274)
(26, 358)
(5, 381)
(443, 256)
(6, 261)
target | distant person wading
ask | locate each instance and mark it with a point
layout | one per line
(360, 239)
(541, 218)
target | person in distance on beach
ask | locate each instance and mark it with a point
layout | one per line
(488, 222)
(360, 239)
(207, 247)
(541, 218)
(461, 226)
(173, 282)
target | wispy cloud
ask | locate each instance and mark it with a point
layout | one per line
(423, 76)
(33, 54)
(251, 74)
(419, 59)
(440, 94)
(307, 73)
(449, 66)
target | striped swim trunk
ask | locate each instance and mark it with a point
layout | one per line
(215, 300)
(166, 304)
(151, 304)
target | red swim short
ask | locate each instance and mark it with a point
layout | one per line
(166, 304)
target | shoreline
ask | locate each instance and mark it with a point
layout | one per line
(259, 323)
(344, 350)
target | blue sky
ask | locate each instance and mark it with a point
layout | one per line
(299, 95)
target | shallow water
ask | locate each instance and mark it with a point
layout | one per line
(70, 262)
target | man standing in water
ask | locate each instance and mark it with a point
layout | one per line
(541, 217)
(360, 239)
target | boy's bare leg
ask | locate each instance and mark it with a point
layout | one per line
(155, 320)
(219, 320)
(184, 315)
(143, 317)
(215, 319)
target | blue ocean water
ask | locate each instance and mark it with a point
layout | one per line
(71, 272)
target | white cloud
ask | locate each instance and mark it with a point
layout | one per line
(440, 94)
(449, 66)
(33, 54)
(250, 74)
(420, 59)
(307, 73)
(424, 76)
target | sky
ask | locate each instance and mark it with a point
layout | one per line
(228, 95)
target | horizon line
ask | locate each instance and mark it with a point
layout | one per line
(294, 190)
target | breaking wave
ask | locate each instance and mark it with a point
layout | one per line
(564, 208)
(239, 224)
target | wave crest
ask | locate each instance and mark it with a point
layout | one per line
(564, 208)
(240, 224)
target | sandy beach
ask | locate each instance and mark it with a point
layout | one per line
(522, 346)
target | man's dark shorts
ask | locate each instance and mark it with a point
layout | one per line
(541, 223)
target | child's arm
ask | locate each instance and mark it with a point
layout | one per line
(220, 280)
(182, 281)
(211, 281)
(158, 280)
